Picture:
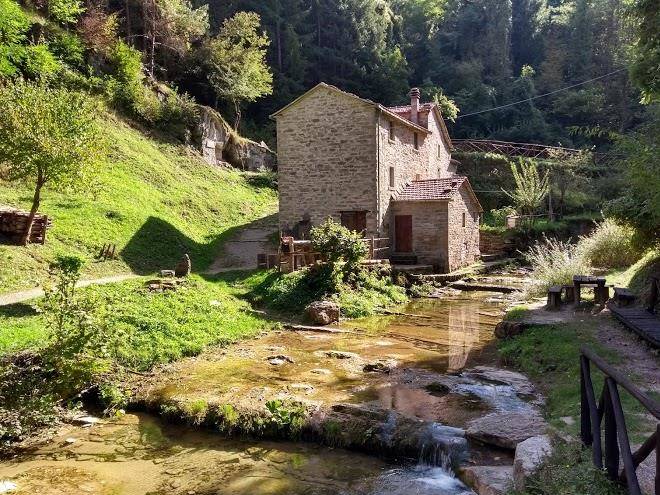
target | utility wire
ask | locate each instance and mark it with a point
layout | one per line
(545, 94)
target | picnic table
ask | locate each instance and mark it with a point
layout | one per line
(601, 291)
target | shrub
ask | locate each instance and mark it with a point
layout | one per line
(37, 61)
(177, 114)
(611, 245)
(68, 48)
(554, 262)
(65, 11)
(339, 245)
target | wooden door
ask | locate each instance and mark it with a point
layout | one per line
(354, 220)
(403, 233)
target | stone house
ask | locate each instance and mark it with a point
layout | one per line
(383, 171)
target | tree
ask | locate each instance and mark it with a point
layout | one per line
(531, 187)
(172, 24)
(567, 169)
(47, 137)
(237, 62)
(646, 66)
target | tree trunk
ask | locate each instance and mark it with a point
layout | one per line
(36, 201)
(237, 111)
(128, 22)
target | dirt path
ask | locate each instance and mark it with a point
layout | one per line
(240, 252)
(26, 295)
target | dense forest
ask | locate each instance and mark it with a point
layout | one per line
(479, 53)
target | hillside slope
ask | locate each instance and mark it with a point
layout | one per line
(154, 200)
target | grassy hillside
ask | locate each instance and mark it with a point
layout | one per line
(155, 201)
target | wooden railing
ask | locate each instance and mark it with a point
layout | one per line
(608, 411)
(376, 251)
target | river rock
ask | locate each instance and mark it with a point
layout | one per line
(529, 456)
(497, 376)
(323, 312)
(334, 354)
(182, 268)
(380, 366)
(488, 480)
(506, 329)
(507, 429)
(7, 486)
(279, 359)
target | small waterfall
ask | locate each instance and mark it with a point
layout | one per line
(434, 455)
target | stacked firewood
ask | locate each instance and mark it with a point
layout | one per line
(13, 224)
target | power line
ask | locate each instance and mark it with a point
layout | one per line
(545, 94)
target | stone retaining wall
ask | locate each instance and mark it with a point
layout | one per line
(493, 243)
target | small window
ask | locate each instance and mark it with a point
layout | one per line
(391, 176)
(391, 130)
(418, 177)
(416, 140)
(464, 219)
(439, 151)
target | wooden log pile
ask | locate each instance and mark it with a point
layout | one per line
(13, 224)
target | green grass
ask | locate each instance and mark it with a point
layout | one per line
(290, 293)
(154, 200)
(636, 277)
(549, 355)
(154, 327)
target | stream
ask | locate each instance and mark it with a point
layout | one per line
(427, 368)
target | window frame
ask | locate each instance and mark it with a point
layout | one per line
(416, 141)
(390, 131)
(392, 177)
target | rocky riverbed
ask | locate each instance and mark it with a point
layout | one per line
(416, 399)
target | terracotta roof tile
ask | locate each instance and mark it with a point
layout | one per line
(430, 189)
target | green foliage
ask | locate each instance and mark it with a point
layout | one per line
(645, 71)
(339, 246)
(47, 137)
(286, 419)
(569, 470)
(531, 187)
(65, 11)
(610, 245)
(37, 61)
(13, 23)
(68, 48)
(497, 216)
(237, 66)
(639, 203)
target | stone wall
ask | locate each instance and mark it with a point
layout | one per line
(495, 243)
(220, 145)
(326, 150)
(429, 227)
(463, 240)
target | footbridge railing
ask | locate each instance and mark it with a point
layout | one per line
(615, 443)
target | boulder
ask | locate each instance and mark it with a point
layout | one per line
(506, 329)
(220, 145)
(529, 456)
(279, 359)
(380, 366)
(323, 312)
(488, 480)
(507, 429)
(497, 376)
(182, 268)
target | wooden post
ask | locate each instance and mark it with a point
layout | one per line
(371, 250)
(611, 443)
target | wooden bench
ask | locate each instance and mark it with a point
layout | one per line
(601, 291)
(569, 290)
(554, 297)
(623, 296)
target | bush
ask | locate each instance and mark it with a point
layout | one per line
(497, 216)
(68, 48)
(338, 245)
(65, 11)
(554, 262)
(36, 61)
(611, 245)
(177, 114)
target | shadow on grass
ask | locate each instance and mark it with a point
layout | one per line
(18, 310)
(159, 245)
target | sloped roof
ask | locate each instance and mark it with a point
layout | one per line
(378, 106)
(404, 111)
(435, 190)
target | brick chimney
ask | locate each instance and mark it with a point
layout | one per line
(414, 105)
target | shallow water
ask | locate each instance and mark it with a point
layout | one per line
(136, 454)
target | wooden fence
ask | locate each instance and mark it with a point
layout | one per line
(609, 413)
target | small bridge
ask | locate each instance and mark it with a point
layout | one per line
(526, 150)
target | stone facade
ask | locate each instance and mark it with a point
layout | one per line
(326, 144)
(340, 153)
(464, 218)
